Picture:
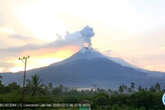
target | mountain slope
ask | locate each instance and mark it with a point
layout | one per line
(88, 67)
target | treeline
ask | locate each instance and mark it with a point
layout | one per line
(125, 98)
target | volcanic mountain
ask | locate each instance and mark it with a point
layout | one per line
(88, 68)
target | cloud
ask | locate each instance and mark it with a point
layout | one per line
(10, 53)
(77, 38)
(10, 38)
(6, 65)
(20, 37)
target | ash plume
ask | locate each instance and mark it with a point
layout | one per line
(87, 33)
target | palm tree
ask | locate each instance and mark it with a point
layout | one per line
(34, 86)
(132, 86)
(157, 87)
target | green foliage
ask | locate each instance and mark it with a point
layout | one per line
(101, 99)
(125, 98)
(34, 86)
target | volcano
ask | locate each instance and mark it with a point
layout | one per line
(88, 68)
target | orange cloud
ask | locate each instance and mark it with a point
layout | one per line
(60, 53)
(43, 57)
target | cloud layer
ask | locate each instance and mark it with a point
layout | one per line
(76, 39)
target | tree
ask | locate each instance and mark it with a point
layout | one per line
(140, 88)
(49, 88)
(12, 86)
(115, 107)
(132, 85)
(58, 90)
(121, 90)
(50, 85)
(152, 88)
(101, 99)
(110, 91)
(157, 87)
(34, 86)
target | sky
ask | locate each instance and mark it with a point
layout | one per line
(50, 31)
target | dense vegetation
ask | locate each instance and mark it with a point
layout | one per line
(125, 98)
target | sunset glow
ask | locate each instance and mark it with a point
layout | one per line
(49, 31)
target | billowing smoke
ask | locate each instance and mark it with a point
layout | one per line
(78, 38)
(87, 33)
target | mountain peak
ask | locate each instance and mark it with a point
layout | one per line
(88, 53)
(86, 50)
